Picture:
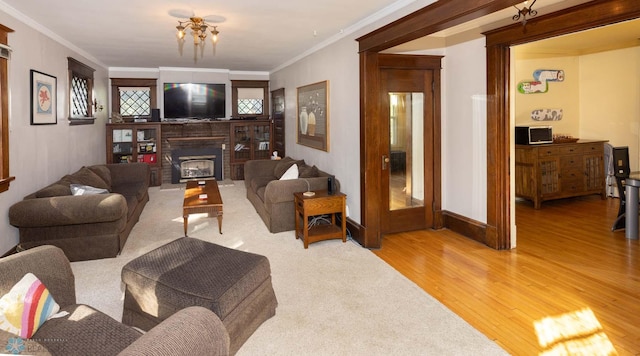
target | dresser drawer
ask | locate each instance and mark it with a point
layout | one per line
(323, 206)
(572, 185)
(571, 162)
(570, 149)
(596, 148)
(572, 173)
(548, 151)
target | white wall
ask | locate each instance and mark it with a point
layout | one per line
(40, 155)
(464, 130)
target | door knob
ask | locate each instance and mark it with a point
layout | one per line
(385, 160)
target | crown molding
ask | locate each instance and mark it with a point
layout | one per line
(47, 32)
(389, 10)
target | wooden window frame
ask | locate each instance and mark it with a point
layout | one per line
(78, 69)
(117, 83)
(5, 178)
(235, 84)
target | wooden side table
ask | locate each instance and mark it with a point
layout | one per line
(321, 203)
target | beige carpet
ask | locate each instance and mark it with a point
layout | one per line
(334, 298)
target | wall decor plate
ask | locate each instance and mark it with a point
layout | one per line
(532, 87)
(549, 75)
(541, 79)
(546, 114)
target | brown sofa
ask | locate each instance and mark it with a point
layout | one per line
(87, 226)
(273, 198)
(87, 331)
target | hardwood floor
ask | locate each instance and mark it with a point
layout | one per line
(568, 267)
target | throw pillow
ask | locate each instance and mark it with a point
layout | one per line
(26, 307)
(308, 171)
(291, 173)
(103, 172)
(80, 189)
(54, 190)
(85, 176)
(288, 165)
(282, 166)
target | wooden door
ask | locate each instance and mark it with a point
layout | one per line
(277, 122)
(406, 100)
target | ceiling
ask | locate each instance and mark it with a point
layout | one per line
(260, 36)
(256, 35)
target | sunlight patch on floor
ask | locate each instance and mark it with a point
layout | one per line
(574, 333)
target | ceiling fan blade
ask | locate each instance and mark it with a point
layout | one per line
(181, 13)
(214, 18)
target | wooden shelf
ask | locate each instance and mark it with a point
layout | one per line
(127, 150)
(248, 134)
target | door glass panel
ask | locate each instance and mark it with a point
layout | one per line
(406, 150)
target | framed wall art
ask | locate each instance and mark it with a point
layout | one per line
(43, 99)
(313, 115)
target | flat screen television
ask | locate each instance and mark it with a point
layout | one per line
(194, 101)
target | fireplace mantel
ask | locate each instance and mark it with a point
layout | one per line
(206, 138)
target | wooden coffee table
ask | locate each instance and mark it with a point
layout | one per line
(196, 203)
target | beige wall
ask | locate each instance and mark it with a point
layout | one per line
(610, 99)
(599, 97)
(560, 95)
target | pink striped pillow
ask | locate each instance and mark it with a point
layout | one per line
(26, 307)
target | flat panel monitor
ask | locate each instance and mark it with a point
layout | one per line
(194, 101)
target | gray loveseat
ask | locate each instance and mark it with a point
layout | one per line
(273, 198)
(87, 331)
(86, 226)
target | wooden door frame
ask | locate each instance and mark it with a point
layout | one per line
(277, 146)
(496, 233)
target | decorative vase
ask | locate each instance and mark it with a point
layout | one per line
(303, 120)
(312, 124)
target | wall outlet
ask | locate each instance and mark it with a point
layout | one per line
(224, 146)
(347, 211)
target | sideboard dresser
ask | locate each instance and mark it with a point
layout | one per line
(560, 170)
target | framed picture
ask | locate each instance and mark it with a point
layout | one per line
(313, 115)
(43, 99)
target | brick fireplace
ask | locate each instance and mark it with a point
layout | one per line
(195, 141)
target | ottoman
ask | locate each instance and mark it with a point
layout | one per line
(235, 285)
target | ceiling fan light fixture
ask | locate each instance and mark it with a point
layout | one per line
(214, 34)
(198, 27)
(180, 33)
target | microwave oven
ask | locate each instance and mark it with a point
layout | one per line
(532, 135)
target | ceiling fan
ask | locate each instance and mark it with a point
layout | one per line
(198, 26)
(188, 14)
